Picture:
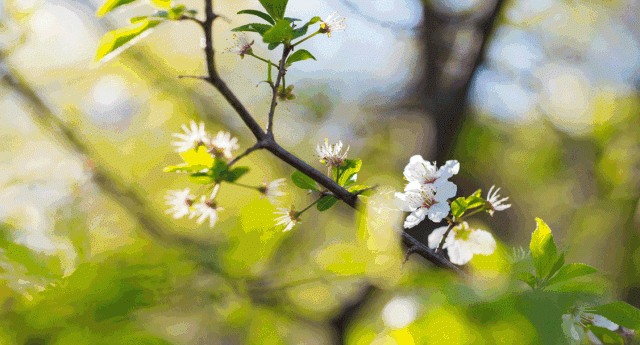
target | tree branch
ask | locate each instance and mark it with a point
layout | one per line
(274, 99)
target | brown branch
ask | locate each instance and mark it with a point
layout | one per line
(274, 101)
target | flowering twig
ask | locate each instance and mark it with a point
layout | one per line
(281, 72)
(444, 237)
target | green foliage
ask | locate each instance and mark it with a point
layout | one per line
(275, 8)
(114, 42)
(301, 31)
(326, 203)
(606, 336)
(571, 271)
(299, 55)
(162, 3)
(281, 32)
(462, 204)
(303, 181)
(345, 174)
(38, 265)
(358, 188)
(234, 174)
(543, 249)
(620, 313)
(254, 27)
(111, 5)
(260, 14)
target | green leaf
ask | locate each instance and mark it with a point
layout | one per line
(528, 278)
(275, 8)
(281, 32)
(292, 20)
(234, 174)
(162, 3)
(543, 249)
(202, 178)
(114, 42)
(301, 31)
(185, 167)
(110, 5)
(343, 173)
(474, 201)
(254, 27)
(621, 313)
(198, 156)
(273, 46)
(606, 336)
(303, 181)
(260, 14)
(556, 266)
(299, 55)
(138, 19)
(459, 207)
(571, 271)
(37, 264)
(326, 203)
(357, 188)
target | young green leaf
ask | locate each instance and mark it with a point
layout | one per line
(281, 32)
(273, 46)
(202, 178)
(543, 250)
(556, 266)
(571, 271)
(166, 4)
(358, 188)
(234, 174)
(114, 42)
(459, 207)
(474, 201)
(111, 5)
(528, 278)
(254, 27)
(343, 173)
(260, 14)
(620, 313)
(275, 8)
(606, 336)
(186, 167)
(292, 20)
(301, 31)
(303, 181)
(137, 19)
(299, 55)
(198, 156)
(326, 203)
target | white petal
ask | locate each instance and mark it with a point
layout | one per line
(414, 218)
(458, 253)
(436, 236)
(592, 338)
(445, 190)
(439, 211)
(449, 169)
(414, 186)
(602, 321)
(481, 242)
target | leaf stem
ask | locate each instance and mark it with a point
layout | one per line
(308, 207)
(444, 237)
(306, 38)
(261, 59)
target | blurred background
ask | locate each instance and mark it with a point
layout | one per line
(537, 97)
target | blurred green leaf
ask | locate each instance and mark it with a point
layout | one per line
(326, 203)
(556, 266)
(299, 55)
(162, 3)
(37, 264)
(343, 173)
(303, 181)
(459, 207)
(281, 32)
(301, 31)
(275, 8)
(260, 14)
(543, 249)
(201, 178)
(110, 5)
(114, 42)
(528, 278)
(234, 174)
(620, 313)
(606, 336)
(254, 27)
(198, 156)
(138, 19)
(573, 330)
(357, 188)
(186, 167)
(571, 271)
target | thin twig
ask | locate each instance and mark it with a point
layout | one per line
(257, 146)
(444, 237)
(274, 99)
(193, 77)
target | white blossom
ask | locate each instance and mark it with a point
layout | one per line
(495, 201)
(333, 23)
(180, 202)
(463, 242)
(241, 45)
(207, 208)
(578, 324)
(420, 172)
(271, 190)
(223, 145)
(430, 201)
(331, 155)
(289, 217)
(192, 137)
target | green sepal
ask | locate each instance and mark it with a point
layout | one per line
(326, 203)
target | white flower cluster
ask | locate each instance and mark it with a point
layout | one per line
(222, 145)
(427, 190)
(333, 23)
(183, 203)
(331, 155)
(463, 242)
(579, 322)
